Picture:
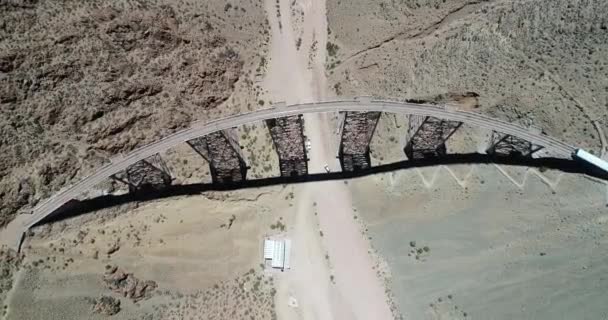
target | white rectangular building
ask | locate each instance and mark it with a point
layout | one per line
(277, 253)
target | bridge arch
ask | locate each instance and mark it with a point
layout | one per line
(203, 128)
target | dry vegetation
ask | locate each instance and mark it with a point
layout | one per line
(10, 262)
(82, 81)
(106, 305)
(250, 296)
(259, 151)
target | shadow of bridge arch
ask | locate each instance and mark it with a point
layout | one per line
(79, 207)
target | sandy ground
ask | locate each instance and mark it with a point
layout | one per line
(350, 289)
(188, 246)
(503, 242)
(323, 283)
(480, 242)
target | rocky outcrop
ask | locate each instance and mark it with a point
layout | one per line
(114, 246)
(127, 285)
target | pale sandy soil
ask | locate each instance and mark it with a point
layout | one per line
(503, 242)
(184, 245)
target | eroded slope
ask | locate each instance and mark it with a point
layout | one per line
(81, 81)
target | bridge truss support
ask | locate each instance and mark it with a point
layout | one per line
(150, 173)
(356, 134)
(288, 138)
(508, 145)
(222, 151)
(427, 136)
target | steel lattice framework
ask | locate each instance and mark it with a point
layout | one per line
(150, 173)
(427, 136)
(224, 155)
(356, 134)
(203, 128)
(508, 145)
(288, 137)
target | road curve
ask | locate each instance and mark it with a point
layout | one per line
(202, 128)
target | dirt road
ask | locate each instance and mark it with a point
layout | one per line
(332, 275)
(288, 80)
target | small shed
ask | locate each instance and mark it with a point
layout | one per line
(277, 253)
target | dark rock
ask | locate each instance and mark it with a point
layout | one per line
(127, 285)
(113, 248)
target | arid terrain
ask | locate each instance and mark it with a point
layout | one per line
(82, 82)
(539, 63)
(455, 242)
(489, 241)
(201, 254)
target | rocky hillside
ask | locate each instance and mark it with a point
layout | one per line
(83, 80)
(536, 62)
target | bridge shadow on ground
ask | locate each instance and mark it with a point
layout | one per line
(80, 207)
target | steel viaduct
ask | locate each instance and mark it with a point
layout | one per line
(430, 126)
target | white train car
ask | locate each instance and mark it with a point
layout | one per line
(591, 159)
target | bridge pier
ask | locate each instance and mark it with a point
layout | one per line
(224, 155)
(509, 146)
(427, 136)
(355, 136)
(150, 173)
(288, 137)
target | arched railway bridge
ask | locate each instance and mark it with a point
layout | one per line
(430, 126)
